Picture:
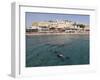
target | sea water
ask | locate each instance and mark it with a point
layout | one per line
(54, 50)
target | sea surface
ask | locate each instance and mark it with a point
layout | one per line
(57, 50)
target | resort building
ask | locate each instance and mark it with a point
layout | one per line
(32, 29)
(57, 26)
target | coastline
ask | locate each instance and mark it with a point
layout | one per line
(63, 33)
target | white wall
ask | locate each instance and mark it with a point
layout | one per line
(5, 40)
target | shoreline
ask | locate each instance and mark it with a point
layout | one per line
(29, 34)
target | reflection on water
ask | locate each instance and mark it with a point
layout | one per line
(53, 50)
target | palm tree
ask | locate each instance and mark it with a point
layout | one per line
(74, 24)
(82, 26)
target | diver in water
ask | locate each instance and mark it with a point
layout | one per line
(61, 56)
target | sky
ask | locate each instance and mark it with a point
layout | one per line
(36, 17)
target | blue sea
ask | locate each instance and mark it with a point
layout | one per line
(57, 50)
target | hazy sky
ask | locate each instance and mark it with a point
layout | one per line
(31, 17)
